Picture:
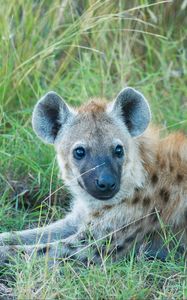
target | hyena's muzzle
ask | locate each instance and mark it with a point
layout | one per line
(101, 177)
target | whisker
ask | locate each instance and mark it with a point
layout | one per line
(75, 178)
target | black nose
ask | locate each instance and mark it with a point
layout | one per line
(106, 183)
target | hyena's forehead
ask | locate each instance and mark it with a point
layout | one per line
(94, 127)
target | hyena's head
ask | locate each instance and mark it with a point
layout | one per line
(96, 144)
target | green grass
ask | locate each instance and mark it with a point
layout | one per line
(83, 49)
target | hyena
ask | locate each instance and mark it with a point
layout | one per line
(126, 181)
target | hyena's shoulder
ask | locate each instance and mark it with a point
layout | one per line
(165, 154)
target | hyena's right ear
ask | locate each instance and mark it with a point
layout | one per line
(50, 114)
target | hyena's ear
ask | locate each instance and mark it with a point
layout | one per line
(134, 109)
(50, 114)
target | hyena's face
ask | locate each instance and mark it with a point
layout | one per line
(95, 143)
(91, 153)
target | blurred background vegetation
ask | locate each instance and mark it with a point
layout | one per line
(81, 49)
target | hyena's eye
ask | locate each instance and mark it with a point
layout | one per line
(119, 152)
(79, 153)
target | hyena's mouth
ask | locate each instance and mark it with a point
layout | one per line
(103, 195)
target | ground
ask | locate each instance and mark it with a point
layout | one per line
(83, 49)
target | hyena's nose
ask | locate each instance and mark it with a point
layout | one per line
(106, 183)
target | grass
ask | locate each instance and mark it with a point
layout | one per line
(83, 49)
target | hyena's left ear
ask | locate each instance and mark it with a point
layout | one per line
(50, 115)
(133, 108)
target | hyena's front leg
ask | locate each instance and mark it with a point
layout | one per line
(50, 233)
(86, 246)
(79, 247)
(82, 247)
(75, 247)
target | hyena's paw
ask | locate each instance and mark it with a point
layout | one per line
(6, 254)
(6, 238)
(9, 253)
(9, 238)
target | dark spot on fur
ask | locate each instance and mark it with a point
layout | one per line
(153, 216)
(164, 194)
(135, 200)
(107, 207)
(162, 164)
(171, 167)
(120, 248)
(154, 178)
(179, 178)
(146, 201)
(96, 214)
(43, 250)
(133, 236)
(130, 238)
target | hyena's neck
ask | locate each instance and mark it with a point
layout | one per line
(164, 159)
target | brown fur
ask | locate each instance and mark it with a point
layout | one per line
(167, 168)
(94, 106)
